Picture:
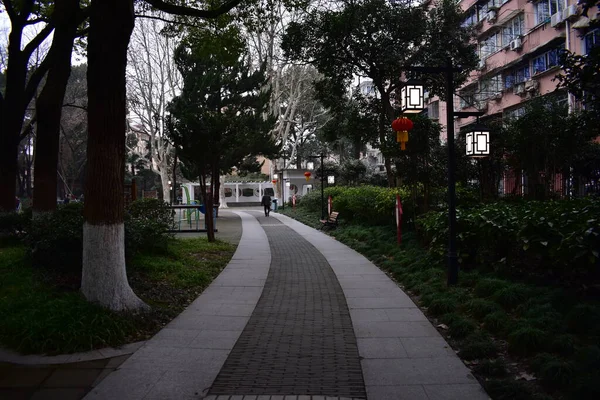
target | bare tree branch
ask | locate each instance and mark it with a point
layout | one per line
(37, 40)
(192, 12)
(165, 20)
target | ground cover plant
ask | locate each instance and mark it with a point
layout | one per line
(42, 310)
(523, 338)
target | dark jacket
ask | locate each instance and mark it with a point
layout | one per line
(266, 200)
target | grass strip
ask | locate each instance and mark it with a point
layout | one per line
(41, 316)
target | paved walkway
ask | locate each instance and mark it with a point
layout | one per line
(295, 315)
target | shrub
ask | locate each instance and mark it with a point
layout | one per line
(146, 223)
(442, 305)
(557, 373)
(56, 239)
(370, 205)
(526, 340)
(487, 287)
(496, 322)
(584, 318)
(511, 296)
(14, 223)
(461, 327)
(480, 308)
(507, 389)
(553, 239)
(477, 346)
(563, 344)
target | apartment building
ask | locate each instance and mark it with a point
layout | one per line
(519, 45)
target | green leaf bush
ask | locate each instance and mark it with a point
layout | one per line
(146, 224)
(554, 239)
(369, 205)
(56, 238)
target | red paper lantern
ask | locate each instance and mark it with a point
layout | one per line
(307, 175)
(274, 181)
(402, 125)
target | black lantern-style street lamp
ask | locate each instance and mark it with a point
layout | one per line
(478, 142)
(413, 97)
(413, 101)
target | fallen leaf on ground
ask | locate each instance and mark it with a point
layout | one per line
(526, 376)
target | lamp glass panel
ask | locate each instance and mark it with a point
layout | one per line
(469, 143)
(416, 97)
(482, 145)
(275, 176)
(287, 184)
(331, 179)
(310, 165)
(412, 98)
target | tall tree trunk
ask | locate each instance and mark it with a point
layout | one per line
(104, 278)
(11, 121)
(17, 95)
(49, 105)
(222, 198)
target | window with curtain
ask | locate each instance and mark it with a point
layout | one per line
(489, 46)
(516, 76)
(471, 17)
(591, 40)
(513, 29)
(544, 9)
(488, 87)
(547, 60)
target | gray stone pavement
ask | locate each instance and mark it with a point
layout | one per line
(401, 355)
(299, 339)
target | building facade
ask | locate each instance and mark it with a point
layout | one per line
(519, 43)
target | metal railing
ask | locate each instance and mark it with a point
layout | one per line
(190, 218)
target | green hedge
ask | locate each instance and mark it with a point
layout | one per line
(56, 238)
(555, 238)
(371, 205)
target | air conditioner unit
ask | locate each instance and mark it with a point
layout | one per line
(481, 64)
(570, 12)
(531, 85)
(491, 16)
(556, 19)
(516, 44)
(519, 89)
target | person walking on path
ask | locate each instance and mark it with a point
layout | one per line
(266, 202)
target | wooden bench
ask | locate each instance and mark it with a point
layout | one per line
(331, 221)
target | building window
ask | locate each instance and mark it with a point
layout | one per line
(491, 86)
(544, 9)
(515, 76)
(433, 110)
(489, 46)
(591, 40)
(514, 113)
(471, 17)
(513, 29)
(467, 99)
(547, 60)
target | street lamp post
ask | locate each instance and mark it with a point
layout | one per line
(322, 156)
(412, 104)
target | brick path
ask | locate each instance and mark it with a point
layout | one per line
(299, 339)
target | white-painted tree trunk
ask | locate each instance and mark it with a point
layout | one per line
(104, 279)
(164, 180)
(222, 199)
